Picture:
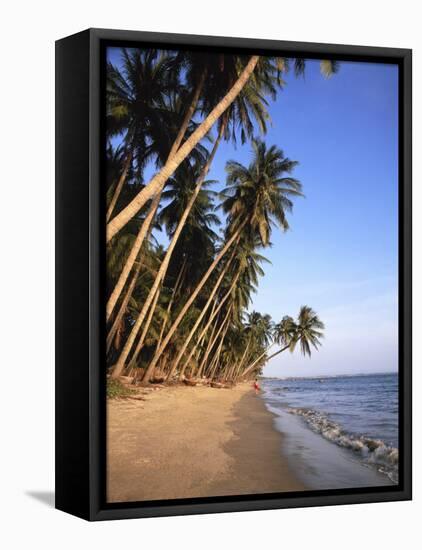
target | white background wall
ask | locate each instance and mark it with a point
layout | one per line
(27, 36)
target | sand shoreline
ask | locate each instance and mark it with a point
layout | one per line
(184, 442)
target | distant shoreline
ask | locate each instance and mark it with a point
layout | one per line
(187, 442)
(316, 376)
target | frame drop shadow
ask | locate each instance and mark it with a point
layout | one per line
(45, 497)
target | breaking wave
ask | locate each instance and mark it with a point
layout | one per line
(372, 451)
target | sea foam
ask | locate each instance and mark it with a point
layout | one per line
(373, 451)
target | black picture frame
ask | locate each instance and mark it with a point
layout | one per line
(80, 249)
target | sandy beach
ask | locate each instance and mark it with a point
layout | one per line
(183, 442)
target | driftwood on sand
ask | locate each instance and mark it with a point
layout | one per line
(126, 379)
(219, 385)
(190, 381)
(158, 377)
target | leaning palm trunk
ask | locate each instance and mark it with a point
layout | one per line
(277, 352)
(229, 373)
(123, 306)
(244, 355)
(203, 365)
(190, 301)
(133, 254)
(163, 268)
(147, 223)
(170, 304)
(196, 349)
(158, 181)
(213, 366)
(220, 346)
(232, 372)
(189, 114)
(200, 340)
(202, 334)
(145, 330)
(251, 367)
(198, 373)
(239, 367)
(119, 186)
(201, 316)
(199, 183)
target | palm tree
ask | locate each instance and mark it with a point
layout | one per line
(249, 270)
(200, 317)
(248, 216)
(115, 160)
(213, 365)
(263, 70)
(306, 331)
(196, 238)
(163, 268)
(135, 293)
(261, 192)
(284, 331)
(174, 120)
(123, 306)
(240, 282)
(229, 118)
(155, 185)
(134, 94)
(255, 200)
(261, 333)
(249, 104)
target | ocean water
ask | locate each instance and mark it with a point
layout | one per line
(339, 431)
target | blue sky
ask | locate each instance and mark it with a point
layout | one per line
(340, 255)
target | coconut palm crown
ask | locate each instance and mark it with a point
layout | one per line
(307, 331)
(261, 192)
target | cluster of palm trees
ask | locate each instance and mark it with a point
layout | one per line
(181, 311)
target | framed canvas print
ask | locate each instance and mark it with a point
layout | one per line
(233, 274)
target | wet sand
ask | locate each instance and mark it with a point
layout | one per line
(184, 442)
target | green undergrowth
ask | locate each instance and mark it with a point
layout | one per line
(116, 390)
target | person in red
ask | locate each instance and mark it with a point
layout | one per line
(256, 386)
